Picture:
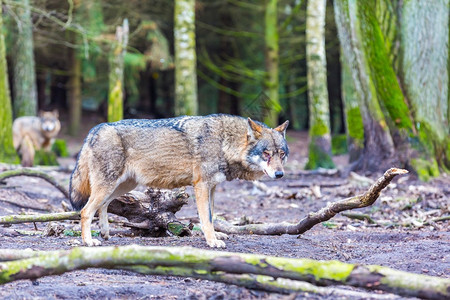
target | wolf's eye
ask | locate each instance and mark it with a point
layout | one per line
(282, 154)
(266, 155)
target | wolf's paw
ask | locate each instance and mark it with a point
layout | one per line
(92, 242)
(105, 236)
(221, 236)
(215, 243)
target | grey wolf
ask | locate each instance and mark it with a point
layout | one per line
(32, 133)
(168, 153)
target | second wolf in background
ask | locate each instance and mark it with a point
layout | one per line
(170, 153)
(32, 133)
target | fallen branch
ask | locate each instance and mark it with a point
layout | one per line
(324, 214)
(259, 282)
(152, 211)
(34, 173)
(361, 217)
(169, 260)
(16, 219)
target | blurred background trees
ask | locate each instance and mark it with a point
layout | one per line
(383, 80)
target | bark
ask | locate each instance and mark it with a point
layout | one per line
(319, 114)
(24, 75)
(179, 260)
(271, 79)
(74, 89)
(353, 120)
(378, 143)
(7, 151)
(186, 102)
(424, 40)
(152, 212)
(400, 74)
(324, 214)
(18, 219)
(116, 69)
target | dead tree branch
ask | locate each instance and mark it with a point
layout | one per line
(199, 263)
(324, 214)
(34, 173)
(16, 219)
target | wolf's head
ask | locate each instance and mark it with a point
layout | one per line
(50, 124)
(268, 150)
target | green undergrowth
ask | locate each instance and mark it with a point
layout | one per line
(317, 158)
(339, 144)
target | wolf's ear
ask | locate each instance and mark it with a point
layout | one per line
(254, 130)
(282, 128)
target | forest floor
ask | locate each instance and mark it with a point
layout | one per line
(399, 239)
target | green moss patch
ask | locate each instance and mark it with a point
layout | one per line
(339, 144)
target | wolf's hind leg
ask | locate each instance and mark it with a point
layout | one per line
(87, 213)
(103, 221)
(96, 201)
(219, 235)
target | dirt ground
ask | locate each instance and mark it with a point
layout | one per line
(400, 239)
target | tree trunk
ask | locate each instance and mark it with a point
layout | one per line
(192, 262)
(353, 120)
(392, 94)
(7, 152)
(186, 102)
(116, 84)
(319, 113)
(74, 89)
(424, 50)
(271, 79)
(24, 76)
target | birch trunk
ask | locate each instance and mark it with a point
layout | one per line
(7, 152)
(24, 76)
(186, 102)
(319, 113)
(116, 69)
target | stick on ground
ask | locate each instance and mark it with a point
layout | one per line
(324, 214)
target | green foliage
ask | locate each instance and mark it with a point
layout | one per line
(339, 144)
(425, 169)
(318, 158)
(59, 147)
(74, 233)
(45, 158)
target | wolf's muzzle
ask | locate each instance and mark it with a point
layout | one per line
(279, 174)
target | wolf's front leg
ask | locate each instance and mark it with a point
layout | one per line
(203, 197)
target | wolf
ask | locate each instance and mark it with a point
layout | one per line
(201, 151)
(32, 133)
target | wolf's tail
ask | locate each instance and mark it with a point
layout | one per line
(80, 187)
(26, 151)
